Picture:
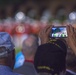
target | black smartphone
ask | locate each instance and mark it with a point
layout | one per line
(59, 32)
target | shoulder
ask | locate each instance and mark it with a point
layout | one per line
(13, 73)
(20, 69)
(10, 73)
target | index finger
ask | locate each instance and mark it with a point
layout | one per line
(49, 29)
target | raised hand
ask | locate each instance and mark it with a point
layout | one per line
(44, 34)
(71, 40)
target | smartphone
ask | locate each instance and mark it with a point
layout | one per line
(59, 32)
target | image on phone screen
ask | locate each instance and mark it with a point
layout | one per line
(59, 32)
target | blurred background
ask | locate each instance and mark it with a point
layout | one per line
(21, 18)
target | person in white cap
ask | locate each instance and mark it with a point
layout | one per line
(7, 55)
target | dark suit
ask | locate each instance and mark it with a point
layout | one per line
(26, 69)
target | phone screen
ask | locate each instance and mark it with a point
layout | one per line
(59, 32)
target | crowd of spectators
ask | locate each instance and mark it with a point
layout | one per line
(47, 58)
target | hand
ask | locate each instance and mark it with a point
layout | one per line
(44, 34)
(71, 40)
